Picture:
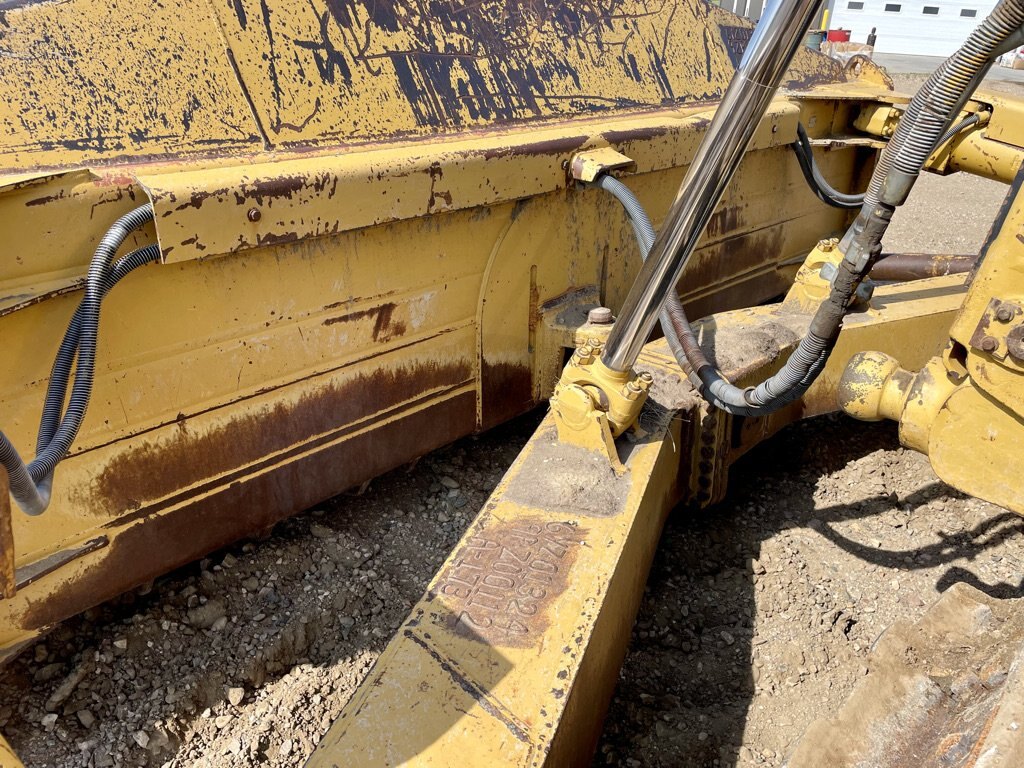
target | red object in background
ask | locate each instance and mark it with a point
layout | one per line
(838, 36)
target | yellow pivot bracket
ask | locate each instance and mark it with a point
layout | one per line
(593, 404)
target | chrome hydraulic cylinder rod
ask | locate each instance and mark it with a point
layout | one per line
(775, 41)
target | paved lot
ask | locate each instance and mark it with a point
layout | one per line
(898, 63)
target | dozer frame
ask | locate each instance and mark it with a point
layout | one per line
(319, 317)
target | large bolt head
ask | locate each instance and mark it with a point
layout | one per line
(1015, 343)
(632, 390)
(584, 354)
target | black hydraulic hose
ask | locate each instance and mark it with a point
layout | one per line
(937, 103)
(771, 394)
(923, 125)
(949, 92)
(816, 180)
(934, 107)
(30, 483)
(825, 191)
(69, 423)
(892, 148)
(963, 125)
(61, 371)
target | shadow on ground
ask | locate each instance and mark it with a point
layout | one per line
(760, 611)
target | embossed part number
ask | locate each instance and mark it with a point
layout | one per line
(502, 579)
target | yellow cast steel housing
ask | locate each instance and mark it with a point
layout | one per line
(964, 407)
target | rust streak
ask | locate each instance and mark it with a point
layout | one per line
(251, 503)
(506, 391)
(561, 145)
(161, 468)
(6, 539)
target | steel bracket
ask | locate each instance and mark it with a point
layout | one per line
(593, 404)
(999, 331)
(587, 166)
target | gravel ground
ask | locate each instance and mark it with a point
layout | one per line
(758, 614)
(246, 657)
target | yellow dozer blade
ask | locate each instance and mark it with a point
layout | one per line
(328, 238)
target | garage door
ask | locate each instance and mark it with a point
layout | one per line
(921, 27)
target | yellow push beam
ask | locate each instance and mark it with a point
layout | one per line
(7, 757)
(510, 657)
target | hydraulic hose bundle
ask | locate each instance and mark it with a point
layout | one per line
(815, 180)
(925, 125)
(680, 337)
(31, 483)
(825, 191)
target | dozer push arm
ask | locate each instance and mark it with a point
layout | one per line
(336, 299)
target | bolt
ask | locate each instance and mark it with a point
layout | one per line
(826, 245)
(632, 390)
(599, 316)
(254, 215)
(583, 355)
(645, 377)
(1004, 314)
(594, 344)
(989, 344)
(1015, 343)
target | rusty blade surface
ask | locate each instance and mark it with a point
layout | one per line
(944, 692)
(228, 77)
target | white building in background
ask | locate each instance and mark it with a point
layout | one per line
(921, 27)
